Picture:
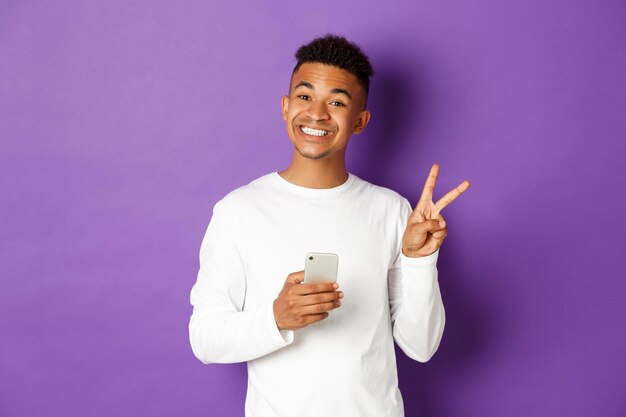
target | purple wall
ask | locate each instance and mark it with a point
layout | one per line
(122, 123)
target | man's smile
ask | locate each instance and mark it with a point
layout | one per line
(314, 132)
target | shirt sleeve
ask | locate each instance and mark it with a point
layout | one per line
(220, 330)
(417, 312)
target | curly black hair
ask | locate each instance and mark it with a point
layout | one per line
(339, 52)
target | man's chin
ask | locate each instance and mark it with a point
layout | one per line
(312, 155)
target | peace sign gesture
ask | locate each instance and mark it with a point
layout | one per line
(426, 228)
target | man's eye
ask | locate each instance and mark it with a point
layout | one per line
(304, 97)
(336, 103)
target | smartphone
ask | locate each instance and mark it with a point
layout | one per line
(320, 267)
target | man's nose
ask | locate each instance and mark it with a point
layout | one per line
(318, 111)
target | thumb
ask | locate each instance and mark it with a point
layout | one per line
(430, 226)
(295, 278)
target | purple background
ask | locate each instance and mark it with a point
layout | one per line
(122, 123)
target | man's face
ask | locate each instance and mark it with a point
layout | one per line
(324, 108)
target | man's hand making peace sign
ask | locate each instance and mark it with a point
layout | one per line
(426, 228)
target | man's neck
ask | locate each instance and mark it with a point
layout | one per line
(315, 173)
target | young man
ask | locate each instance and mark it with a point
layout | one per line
(321, 349)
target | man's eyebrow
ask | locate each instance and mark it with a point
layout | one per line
(342, 91)
(304, 84)
(334, 90)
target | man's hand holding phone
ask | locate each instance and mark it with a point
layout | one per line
(300, 303)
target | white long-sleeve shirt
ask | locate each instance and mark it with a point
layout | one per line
(344, 365)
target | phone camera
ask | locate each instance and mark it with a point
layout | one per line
(310, 258)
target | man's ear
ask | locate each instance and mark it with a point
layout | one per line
(285, 104)
(362, 120)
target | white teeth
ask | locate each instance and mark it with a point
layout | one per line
(314, 132)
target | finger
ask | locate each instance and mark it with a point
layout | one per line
(416, 216)
(440, 234)
(312, 318)
(295, 277)
(323, 297)
(443, 232)
(320, 308)
(429, 186)
(305, 288)
(452, 195)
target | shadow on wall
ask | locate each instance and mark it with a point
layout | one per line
(402, 116)
(471, 328)
(396, 101)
